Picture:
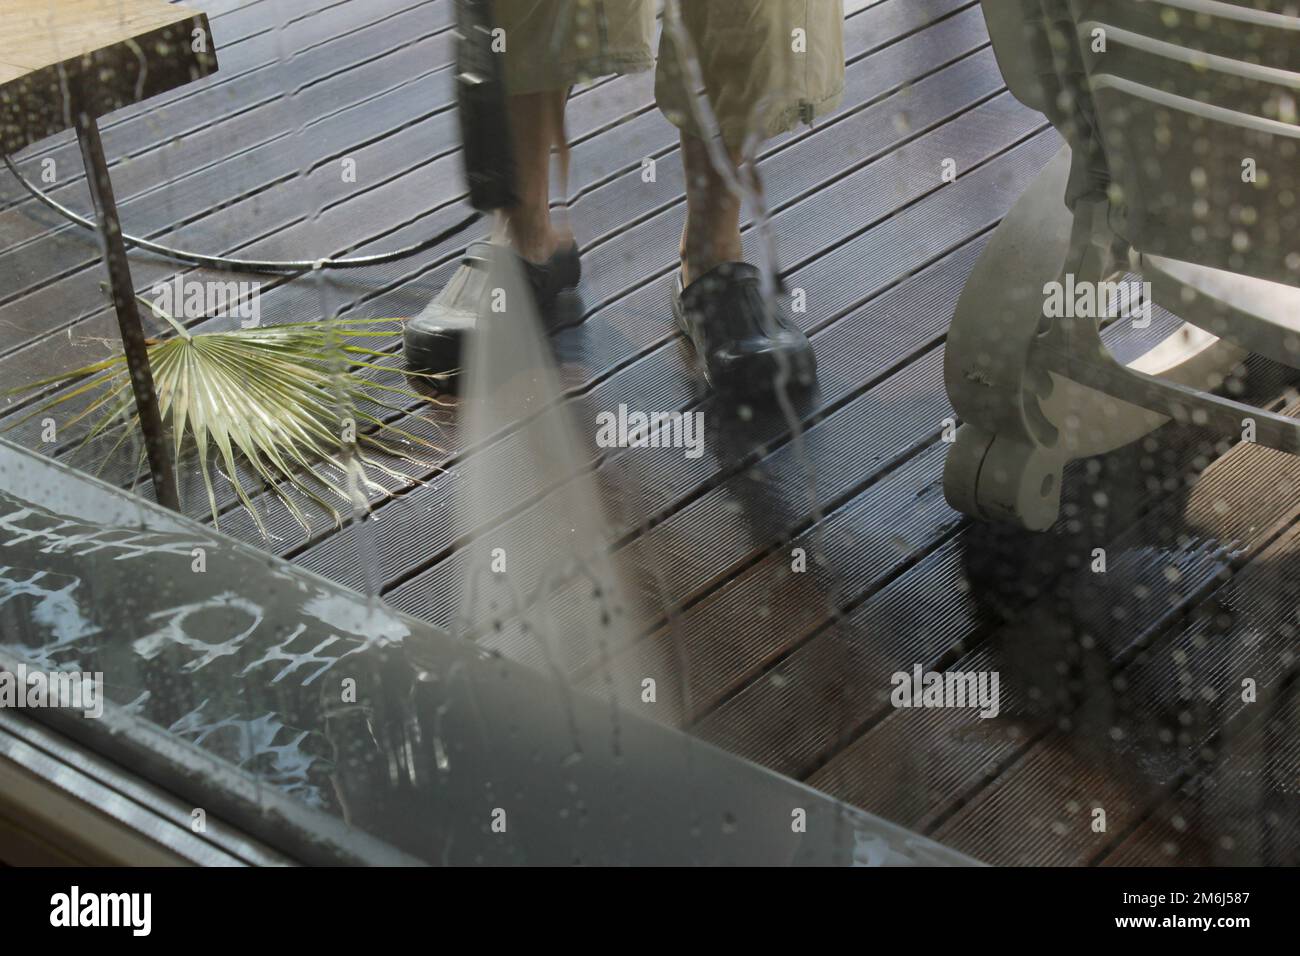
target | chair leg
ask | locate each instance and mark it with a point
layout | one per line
(996, 478)
(1036, 393)
(1005, 465)
(961, 469)
(128, 315)
(1020, 483)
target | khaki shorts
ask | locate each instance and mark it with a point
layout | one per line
(766, 64)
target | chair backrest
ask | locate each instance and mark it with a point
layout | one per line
(1021, 38)
(1194, 104)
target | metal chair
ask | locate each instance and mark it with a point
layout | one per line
(1182, 166)
(64, 65)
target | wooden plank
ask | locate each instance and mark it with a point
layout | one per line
(1126, 609)
(247, 77)
(263, 225)
(663, 380)
(10, 71)
(668, 371)
(940, 43)
(637, 323)
(1242, 810)
(1189, 686)
(109, 53)
(39, 34)
(726, 632)
(670, 486)
(792, 687)
(651, 334)
(131, 135)
(166, 190)
(609, 107)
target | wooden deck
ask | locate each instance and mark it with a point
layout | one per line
(1140, 668)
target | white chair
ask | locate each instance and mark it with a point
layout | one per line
(1182, 166)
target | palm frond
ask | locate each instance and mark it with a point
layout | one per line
(274, 401)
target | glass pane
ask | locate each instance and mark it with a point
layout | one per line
(646, 430)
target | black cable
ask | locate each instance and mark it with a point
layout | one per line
(224, 264)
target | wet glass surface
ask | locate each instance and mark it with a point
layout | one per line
(445, 753)
(818, 456)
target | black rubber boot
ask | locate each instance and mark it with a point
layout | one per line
(433, 342)
(721, 312)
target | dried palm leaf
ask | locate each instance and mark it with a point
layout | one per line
(284, 400)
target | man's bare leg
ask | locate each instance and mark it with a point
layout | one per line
(433, 340)
(537, 127)
(718, 304)
(712, 233)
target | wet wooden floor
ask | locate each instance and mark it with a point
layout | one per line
(1127, 692)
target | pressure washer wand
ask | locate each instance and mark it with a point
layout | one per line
(481, 105)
